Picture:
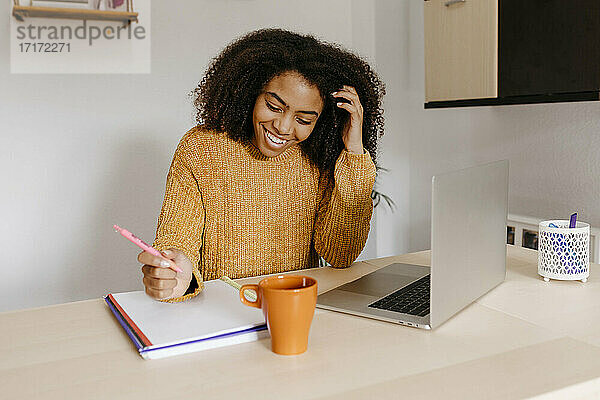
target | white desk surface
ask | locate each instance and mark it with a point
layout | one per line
(526, 338)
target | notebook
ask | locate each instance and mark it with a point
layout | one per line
(214, 318)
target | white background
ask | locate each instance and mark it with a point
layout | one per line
(83, 152)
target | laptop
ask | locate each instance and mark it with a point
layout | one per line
(468, 256)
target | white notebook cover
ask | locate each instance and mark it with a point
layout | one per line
(214, 318)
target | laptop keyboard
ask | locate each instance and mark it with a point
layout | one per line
(412, 299)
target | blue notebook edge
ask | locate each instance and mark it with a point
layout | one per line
(257, 328)
(124, 325)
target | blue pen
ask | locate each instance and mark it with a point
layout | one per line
(573, 220)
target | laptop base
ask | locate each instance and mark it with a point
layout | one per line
(355, 297)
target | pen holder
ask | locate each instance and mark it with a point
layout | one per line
(563, 252)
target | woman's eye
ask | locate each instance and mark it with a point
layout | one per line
(272, 107)
(303, 122)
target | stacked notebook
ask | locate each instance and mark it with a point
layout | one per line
(214, 318)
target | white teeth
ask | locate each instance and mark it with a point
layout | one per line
(274, 139)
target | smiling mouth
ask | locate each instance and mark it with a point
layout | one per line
(274, 139)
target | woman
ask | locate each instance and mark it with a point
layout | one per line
(279, 170)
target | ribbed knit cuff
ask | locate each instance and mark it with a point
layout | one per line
(196, 282)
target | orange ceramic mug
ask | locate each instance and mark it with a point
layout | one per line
(288, 303)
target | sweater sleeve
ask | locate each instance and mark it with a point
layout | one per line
(344, 214)
(181, 219)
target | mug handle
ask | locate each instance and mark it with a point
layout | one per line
(247, 302)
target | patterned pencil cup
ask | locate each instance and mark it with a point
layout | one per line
(563, 252)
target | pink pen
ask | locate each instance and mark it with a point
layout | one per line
(144, 246)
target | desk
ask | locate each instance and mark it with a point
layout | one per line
(526, 338)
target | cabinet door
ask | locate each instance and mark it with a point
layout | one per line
(549, 47)
(461, 49)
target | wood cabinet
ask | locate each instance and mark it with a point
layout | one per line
(494, 52)
(461, 50)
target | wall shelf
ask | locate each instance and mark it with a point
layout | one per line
(22, 12)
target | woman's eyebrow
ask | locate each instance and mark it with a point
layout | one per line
(284, 103)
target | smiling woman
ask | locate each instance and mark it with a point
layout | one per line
(280, 124)
(279, 170)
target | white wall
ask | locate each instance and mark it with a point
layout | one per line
(553, 148)
(83, 152)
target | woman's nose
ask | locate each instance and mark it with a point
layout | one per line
(283, 125)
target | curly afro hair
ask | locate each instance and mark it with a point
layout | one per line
(225, 97)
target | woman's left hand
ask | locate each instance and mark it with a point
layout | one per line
(352, 132)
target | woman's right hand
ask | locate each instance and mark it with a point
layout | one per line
(160, 280)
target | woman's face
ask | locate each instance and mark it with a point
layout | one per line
(285, 113)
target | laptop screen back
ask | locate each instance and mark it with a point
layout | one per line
(468, 236)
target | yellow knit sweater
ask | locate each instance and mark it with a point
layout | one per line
(235, 212)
